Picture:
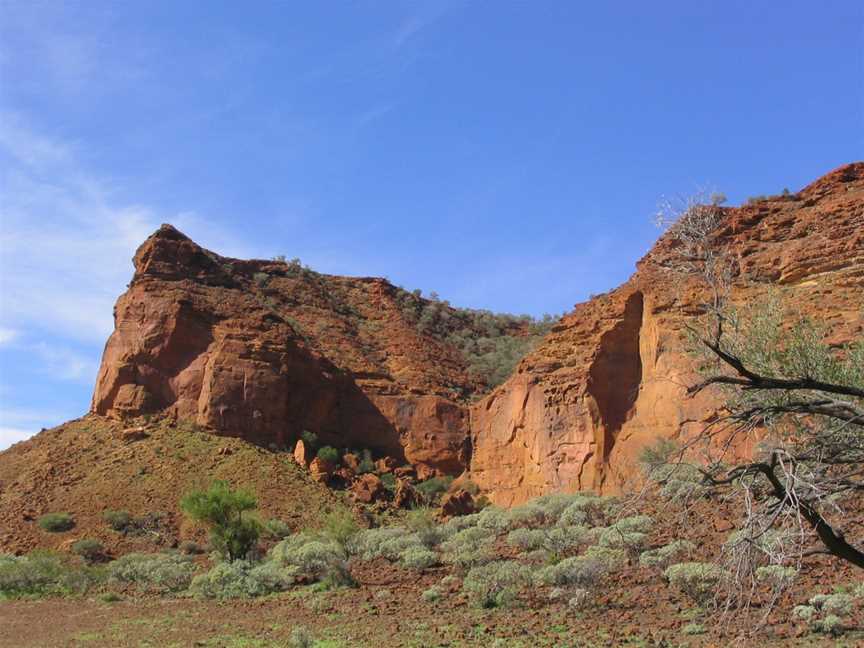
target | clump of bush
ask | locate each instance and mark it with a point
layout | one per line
(160, 573)
(495, 584)
(242, 579)
(431, 595)
(527, 539)
(322, 560)
(776, 576)
(118, 520)
(663, 556)
(696, 580)
(468, 548)
(37, 574)
(824, 612)
(89, 549)
(367, 544)
(328, 454)
(277, 529)
(422, 522)
(56, 522)
(418, 557)
(340, 526)
(588, 509)
(580, 571)
(432, 488)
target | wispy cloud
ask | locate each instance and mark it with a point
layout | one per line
(67, 241)
(7, 335)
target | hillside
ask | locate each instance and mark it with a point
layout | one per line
(263, 350)
(93, 464)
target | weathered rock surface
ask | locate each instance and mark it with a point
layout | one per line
(264, 350)
(611, 377)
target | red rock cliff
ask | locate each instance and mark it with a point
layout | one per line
(611, 377)
(264, 350)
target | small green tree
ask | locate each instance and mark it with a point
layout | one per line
(221, 508)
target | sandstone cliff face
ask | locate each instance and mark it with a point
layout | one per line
(263, 350)
(611, 377)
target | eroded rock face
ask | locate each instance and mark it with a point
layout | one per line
(611, 377)
(263, 351)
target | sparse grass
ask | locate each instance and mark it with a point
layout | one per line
(56, 522)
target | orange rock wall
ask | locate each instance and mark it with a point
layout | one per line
(612, 377)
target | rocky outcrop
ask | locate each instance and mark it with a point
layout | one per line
(265, 350)
(611, 377)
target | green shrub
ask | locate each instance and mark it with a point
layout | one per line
(494, 520)
(366, 544)
(610, 557)
(160, 573)
(527, 539)
(587, 509)
(38, 574)
(300, 638)
(277, 529)
(190, 548)
(632, 541)
(831, 624)
(118, 520)
(422, 522)
(696, 580)
(340, 526)
(242, 579)
(581, 571)
(804, 612)
(89, 549)
(222, 508)
(56, 522)
(309, 438)
(366, 465)
(663, 556)
(838, 604)
(693, 629)
(328, 454)
(432, 488)
(320, 560)
(777, 576)
(495, 584)
(431, 595)
(393, 549)
(635, 524)
(418, 557)
(562, 539)
(389, 481)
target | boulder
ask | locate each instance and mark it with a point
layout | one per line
(386, 465)
(459, 502)
(321, 470)
(368, 488)
(351, 460)
(302, 453)
(405, 495)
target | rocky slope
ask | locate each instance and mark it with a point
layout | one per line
(611, 377)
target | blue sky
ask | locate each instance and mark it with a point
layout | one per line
(507, 155)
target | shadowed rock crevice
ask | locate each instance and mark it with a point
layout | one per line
(614, 378)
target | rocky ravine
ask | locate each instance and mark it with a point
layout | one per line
(260, 350)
